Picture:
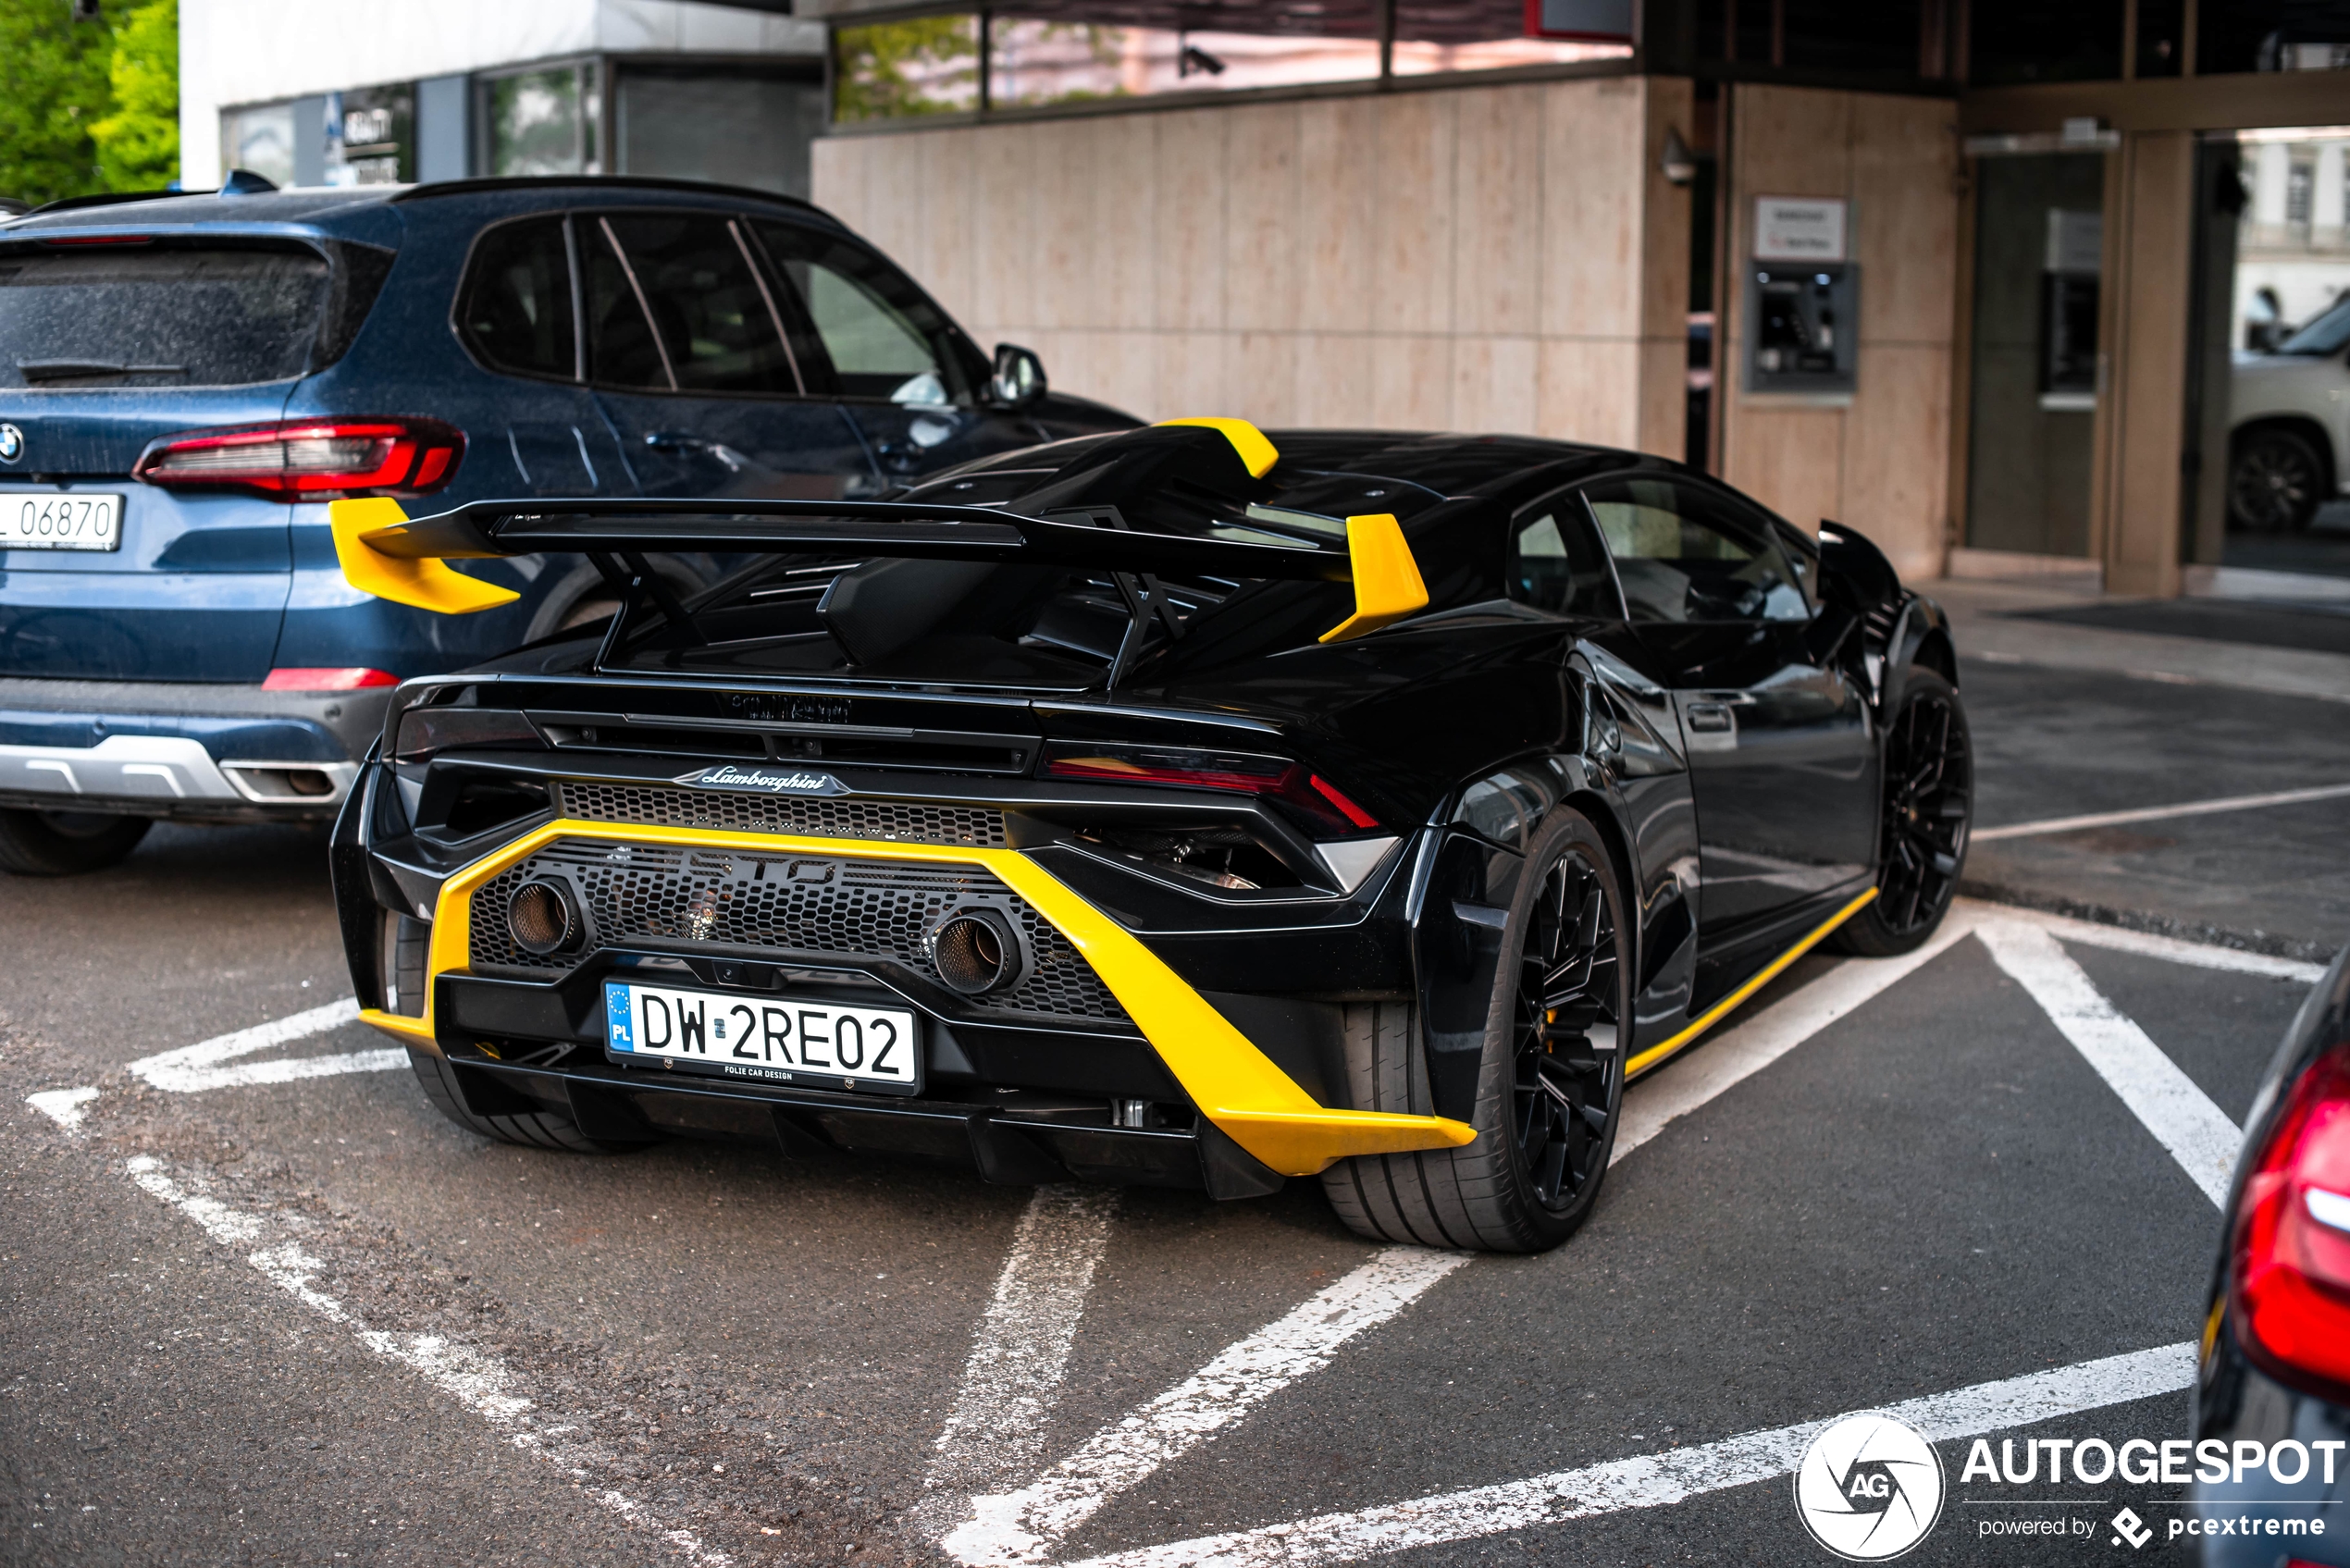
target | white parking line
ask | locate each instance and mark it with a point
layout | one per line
(193, 1069)
(1020, 1353)
(62, 1106)
(2161, 813)
(2179, 1114)
(474, 1378)
(1021, 1527)
(2199, 954)
(1653, 1480)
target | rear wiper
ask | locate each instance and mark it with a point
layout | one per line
(36, 371)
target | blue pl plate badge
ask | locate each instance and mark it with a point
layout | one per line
(765, 781)
(620, 1033)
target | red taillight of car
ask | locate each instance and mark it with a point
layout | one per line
(356, 678)
(2292, 1248)
(1290, 783)
(309, 459)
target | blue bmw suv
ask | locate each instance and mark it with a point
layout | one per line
(186, 381)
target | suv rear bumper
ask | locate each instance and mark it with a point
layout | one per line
(198, 751)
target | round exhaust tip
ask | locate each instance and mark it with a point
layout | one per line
(543, 918)
(975, 952)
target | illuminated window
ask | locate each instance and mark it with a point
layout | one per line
(1469, 35)
(1050, 58)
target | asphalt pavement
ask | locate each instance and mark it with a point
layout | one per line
(252, 1315)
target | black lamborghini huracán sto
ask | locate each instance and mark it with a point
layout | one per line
(1180, 806)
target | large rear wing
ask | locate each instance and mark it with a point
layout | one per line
(386, 553)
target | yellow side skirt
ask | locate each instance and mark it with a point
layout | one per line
(1232, 1082)
(1761, 978)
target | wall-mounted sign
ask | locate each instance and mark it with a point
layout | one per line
(1800, 228)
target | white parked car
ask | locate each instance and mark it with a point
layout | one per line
(2289, 426)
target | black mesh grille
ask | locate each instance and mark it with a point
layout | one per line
(691, 897)
(897, 822)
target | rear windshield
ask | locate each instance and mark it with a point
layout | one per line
(161, 317)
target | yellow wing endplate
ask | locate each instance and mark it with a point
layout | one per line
(1257, 455)
(1387, 580)
(421, 582)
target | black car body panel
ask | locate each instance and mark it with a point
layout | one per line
(1439, 746)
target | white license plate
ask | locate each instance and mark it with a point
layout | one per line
(771, 1039)
(60, 522)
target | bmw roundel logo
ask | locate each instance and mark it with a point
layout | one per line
(11, 443)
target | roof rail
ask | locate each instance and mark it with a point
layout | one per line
(622, 181)
(107, 199)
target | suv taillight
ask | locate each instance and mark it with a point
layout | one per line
(309, 459)
(1273, 777)
(2291, 1249)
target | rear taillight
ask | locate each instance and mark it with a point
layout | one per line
(356, 678)
(1273, 777)
(310, 459)
(2292, 1248)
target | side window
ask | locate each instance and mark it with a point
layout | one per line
(1556, 563)
(1685, 554)
(621, 350)
(885, 341)
(514, 308)
(714, 323)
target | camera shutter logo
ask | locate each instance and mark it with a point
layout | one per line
(11, 443)
(1869, 1488)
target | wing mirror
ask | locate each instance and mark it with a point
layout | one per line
(1018, 381)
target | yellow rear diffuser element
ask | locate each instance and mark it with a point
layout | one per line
(1256, 454)
(1387, 580)
(424, 584)
(1233, 1084)
(1770, 972)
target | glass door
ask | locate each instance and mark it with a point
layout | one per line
(2035, 360)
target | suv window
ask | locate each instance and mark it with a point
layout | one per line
(715, 320)
(159, 314)
(621, 350)
(515, 309)
(1556, 563)
(884, 340)
(1685, 553)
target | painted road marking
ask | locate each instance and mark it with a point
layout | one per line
(2198, 955)
(1021, 1527)
(191, 1069)
(2179, 1114)
(1656, 1480)
(476, 1379)
(2161, 813)
(62, 1106)
(1020, 1353)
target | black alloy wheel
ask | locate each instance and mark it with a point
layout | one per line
(1567, 1068)
(1928, 807)
(1550, 1071)
(2275, 481)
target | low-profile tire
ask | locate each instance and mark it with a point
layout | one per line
(1925, 808)
(1550, 1081)
(64, 844)
(402, 946)
(2276, 481)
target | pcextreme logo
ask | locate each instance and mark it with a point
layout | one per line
(1868, 1487)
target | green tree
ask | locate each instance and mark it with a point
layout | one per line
(139, 142)
(58, 87)
(929, 66)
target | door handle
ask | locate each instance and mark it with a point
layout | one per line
(673, 441)
(1708, 717)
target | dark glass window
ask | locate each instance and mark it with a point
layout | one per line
(1837, 35)
(2271, 35)
(158, 315)
(621, 350)
(514, 308)
(716, 323)
(2021, 41)
(1687, 553)
(1556, 563)
(881, 336)
(2162, 37)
